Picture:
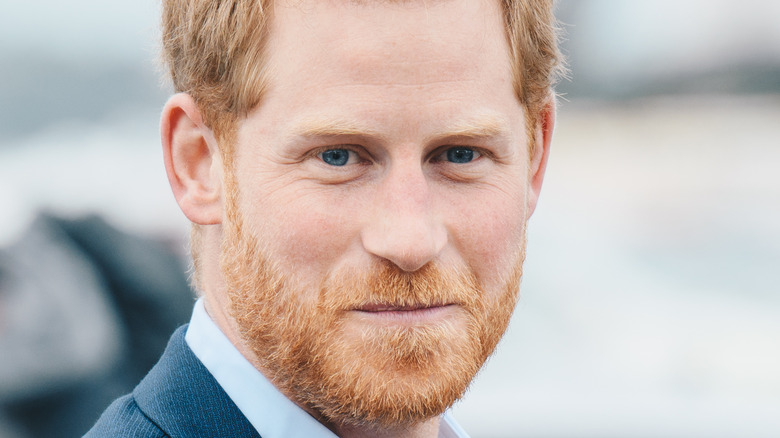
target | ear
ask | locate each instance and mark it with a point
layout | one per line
(192, 160)
(543, 132)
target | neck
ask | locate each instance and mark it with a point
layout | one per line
(426, 429)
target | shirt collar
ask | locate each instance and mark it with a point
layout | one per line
(267, 409)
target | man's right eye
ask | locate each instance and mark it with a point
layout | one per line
(337, 157)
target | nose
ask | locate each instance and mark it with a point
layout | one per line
(402, 227)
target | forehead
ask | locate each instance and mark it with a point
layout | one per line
(403, 35)
(385, 57)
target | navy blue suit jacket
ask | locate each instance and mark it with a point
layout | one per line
(178, 398)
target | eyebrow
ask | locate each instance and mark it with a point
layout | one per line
(332, 128)
(482, 126)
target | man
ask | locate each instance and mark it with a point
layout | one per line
(359, 174)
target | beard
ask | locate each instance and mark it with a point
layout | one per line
(315, 349)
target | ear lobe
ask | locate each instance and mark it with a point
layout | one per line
(192, 160)
(543, 133)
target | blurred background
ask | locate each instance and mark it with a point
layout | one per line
(651, 301)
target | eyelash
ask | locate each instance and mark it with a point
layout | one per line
(442, 154)
(318, 153)
(438, 156)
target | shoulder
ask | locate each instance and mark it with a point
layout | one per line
(124, 419)
(178, 397)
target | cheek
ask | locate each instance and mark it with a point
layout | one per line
(489, 235)
(305, 232)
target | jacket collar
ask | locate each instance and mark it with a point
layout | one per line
(183, 398)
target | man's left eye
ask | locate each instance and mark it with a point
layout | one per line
(461, 155)
(336, 157)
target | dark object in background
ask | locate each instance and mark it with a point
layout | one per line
(85, 312)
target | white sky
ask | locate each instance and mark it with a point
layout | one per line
(80, 28)
(677, 35)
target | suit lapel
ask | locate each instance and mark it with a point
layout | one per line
(183, 398)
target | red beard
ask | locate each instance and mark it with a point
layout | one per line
(314, 348)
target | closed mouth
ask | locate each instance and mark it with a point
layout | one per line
(383, 307)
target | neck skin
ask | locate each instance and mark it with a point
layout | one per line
(427, 429)
(216, 309)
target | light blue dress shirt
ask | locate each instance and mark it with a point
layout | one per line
(267, 409)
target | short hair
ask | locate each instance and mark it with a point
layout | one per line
(214, 51)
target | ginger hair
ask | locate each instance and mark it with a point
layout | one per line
(214, 51)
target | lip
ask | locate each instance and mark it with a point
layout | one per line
(404, 313)
(379, 307)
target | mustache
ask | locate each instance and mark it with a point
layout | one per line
(384, 285)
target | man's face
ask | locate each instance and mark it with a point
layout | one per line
(377, 206)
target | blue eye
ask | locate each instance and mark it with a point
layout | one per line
(460, 155)
(335, 157)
